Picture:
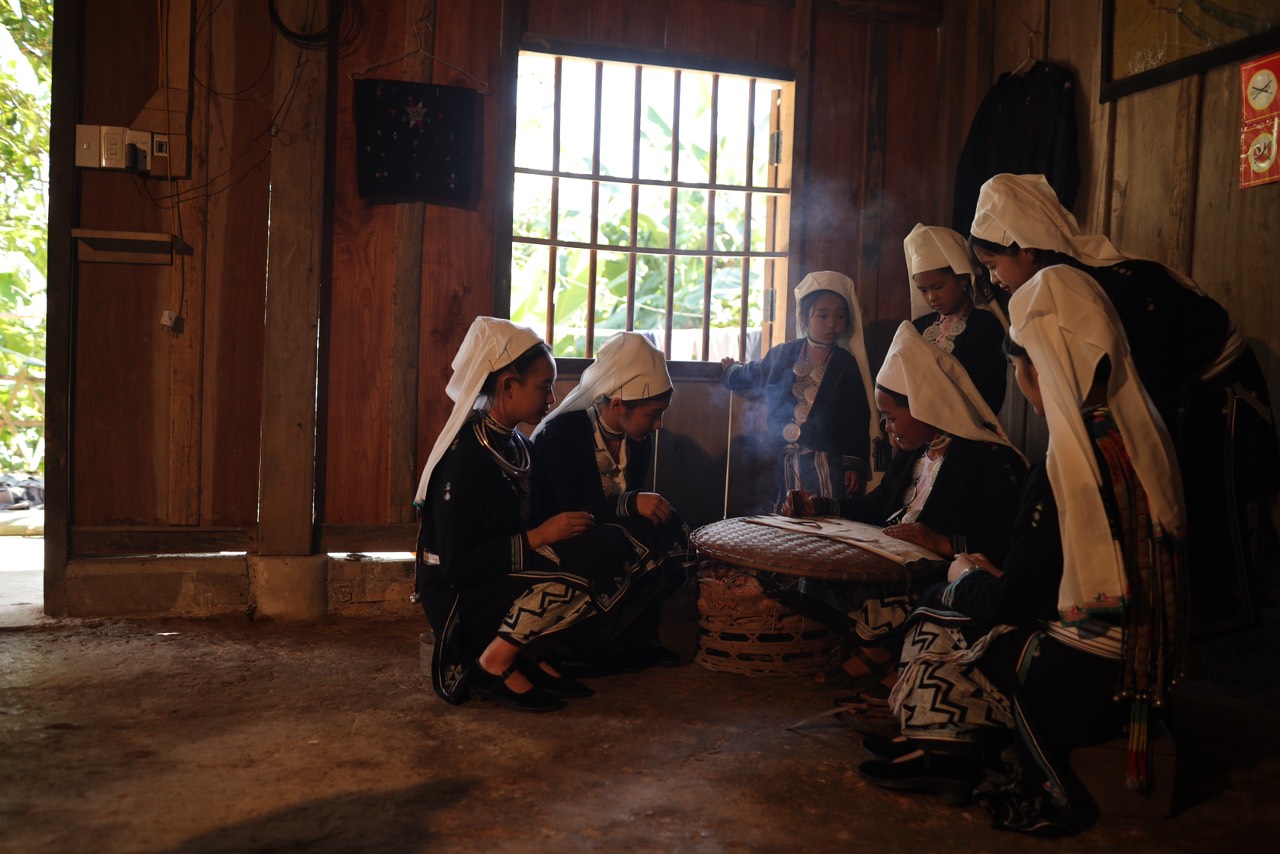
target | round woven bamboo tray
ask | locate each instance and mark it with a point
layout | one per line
(747, 545)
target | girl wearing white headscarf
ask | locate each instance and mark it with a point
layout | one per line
(504, 587)
(1087, 607)
(594, 453)
(952, 488)
(817, 390)
(945, 308)
(1206, 384)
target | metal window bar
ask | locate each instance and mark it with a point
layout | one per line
(708, 253)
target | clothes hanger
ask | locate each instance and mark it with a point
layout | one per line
(1026, 64)
(420, 27)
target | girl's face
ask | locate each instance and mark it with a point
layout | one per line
(907, 432)
(1009, 271)
(828, 318)
(944, 291)
(1028, 382)
(530, 397)
(639, 422)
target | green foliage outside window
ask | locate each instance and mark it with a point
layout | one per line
(26, 76)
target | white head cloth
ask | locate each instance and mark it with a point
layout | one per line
(1067, 325)
(1023, 209)
(626, 366)
(854, 340)
(490, 344)
(938, 388)
(932, 247)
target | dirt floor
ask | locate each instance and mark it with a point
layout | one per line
(236, 736)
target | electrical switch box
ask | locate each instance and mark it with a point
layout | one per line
(89, 146)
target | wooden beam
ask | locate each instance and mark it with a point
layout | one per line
(296, 266)
(926, 13)
(115, 542)
(802, 24)
(335, 539)
(871, 202)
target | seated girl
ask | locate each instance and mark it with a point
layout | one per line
(943, 287)
(952, 487)
(505, 586)
(1041, 646)
(817, 389)
(594, 453)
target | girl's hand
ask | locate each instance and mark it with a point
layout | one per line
(852, 480)
(725, 364)
(797, 504)
(921, 535)
(653, 507)
(562, 526)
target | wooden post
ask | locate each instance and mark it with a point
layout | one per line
(406, 302)
(295, 269)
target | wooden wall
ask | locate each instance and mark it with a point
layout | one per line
(1160, 168)
(165, 426)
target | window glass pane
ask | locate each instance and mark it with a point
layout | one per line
(572, 269)
(691, 219)
(574, 222)
(611, 294)
(656, 115)
(730, 221)
(695, 127)
(726, 308)
(760, 154)
(529, 284)
(617, 120)
(760, 221)
(615, 214)
(651, 295)
(687, 308)
(577, 115)
(531, 206)
(653, 217)
(755, 298)
(731, 131)
(534, 114)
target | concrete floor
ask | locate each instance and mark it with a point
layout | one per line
(231, 735)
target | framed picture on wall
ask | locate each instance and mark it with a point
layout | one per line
(1147, 43)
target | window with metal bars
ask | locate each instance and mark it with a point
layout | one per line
(646, 198)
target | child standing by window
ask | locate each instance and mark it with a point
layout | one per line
(818, 392)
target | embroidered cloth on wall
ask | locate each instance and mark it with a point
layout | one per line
(415, 141)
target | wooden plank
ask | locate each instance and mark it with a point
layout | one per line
(871, 201)
(63, 184)
(964, 81)
(340, 539)
(926, 13)
(98, 541)
(405, 309)
(1144, 187)
(295, 265)
(359, 314)
(1074, 43)
(241, 43)
(183, 342)
(802, 59)
(1236, 255)
(458, 271)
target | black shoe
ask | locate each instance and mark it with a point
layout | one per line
(887, 748)
(954, 779)
(562, 686)
(489, 686)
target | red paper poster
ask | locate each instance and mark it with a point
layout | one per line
(1259, 121)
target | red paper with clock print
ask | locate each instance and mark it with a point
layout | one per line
(1260, 121)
